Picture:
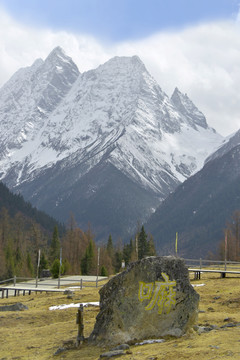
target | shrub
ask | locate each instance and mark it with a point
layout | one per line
(103, 271)
(55, 269)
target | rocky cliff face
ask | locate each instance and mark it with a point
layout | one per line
(185, 106)
(26, 102)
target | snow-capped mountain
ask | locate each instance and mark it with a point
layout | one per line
(75, 136)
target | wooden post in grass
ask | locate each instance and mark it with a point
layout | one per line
(80, 337)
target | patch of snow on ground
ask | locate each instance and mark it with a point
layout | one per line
(153, 341)
(67, 306)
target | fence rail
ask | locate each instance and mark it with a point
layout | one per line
(6, 281)
(213, 264)
(16, 284)
(82, 281)
(200, 266)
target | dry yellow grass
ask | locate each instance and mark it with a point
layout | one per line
(37, 333)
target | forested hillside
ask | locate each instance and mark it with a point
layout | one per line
(23, 229)
(14, 204)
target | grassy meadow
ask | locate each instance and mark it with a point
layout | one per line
(38, 333)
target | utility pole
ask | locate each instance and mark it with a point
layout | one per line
(226, 246)
(38, 264)
(136, 243)
(98, 261)
(60, 265)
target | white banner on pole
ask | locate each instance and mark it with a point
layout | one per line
(39, 255)
(61, 257)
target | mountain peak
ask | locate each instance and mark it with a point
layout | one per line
(37, 63)
(57, 51)
(126, 59)
(188, 109)
(125, 63)
(176, 92)
(57, 57)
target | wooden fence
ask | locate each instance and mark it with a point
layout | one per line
(199, 266)
(213, 264)
(16, 285)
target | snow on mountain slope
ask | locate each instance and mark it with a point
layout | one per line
(229, 143)
(26, 101)
(117, 111)
(193, 116)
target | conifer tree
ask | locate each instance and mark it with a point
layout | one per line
(5, 225)
(151, 246)
(10, 268)
(118, 261)
(127, 252)
(18, 260)
(2, 262)
(55, 245)
(143, 246)
(29, 264)
(110, 249)
(87, 260)
(103, 271)
(43, 262)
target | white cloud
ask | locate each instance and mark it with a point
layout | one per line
(202, 61)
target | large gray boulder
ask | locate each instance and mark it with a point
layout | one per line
(152, 298)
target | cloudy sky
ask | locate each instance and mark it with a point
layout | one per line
(191, 44)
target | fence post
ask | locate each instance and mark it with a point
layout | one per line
(200, 263)
(81, 284)
(96, 282)
(14, 280)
